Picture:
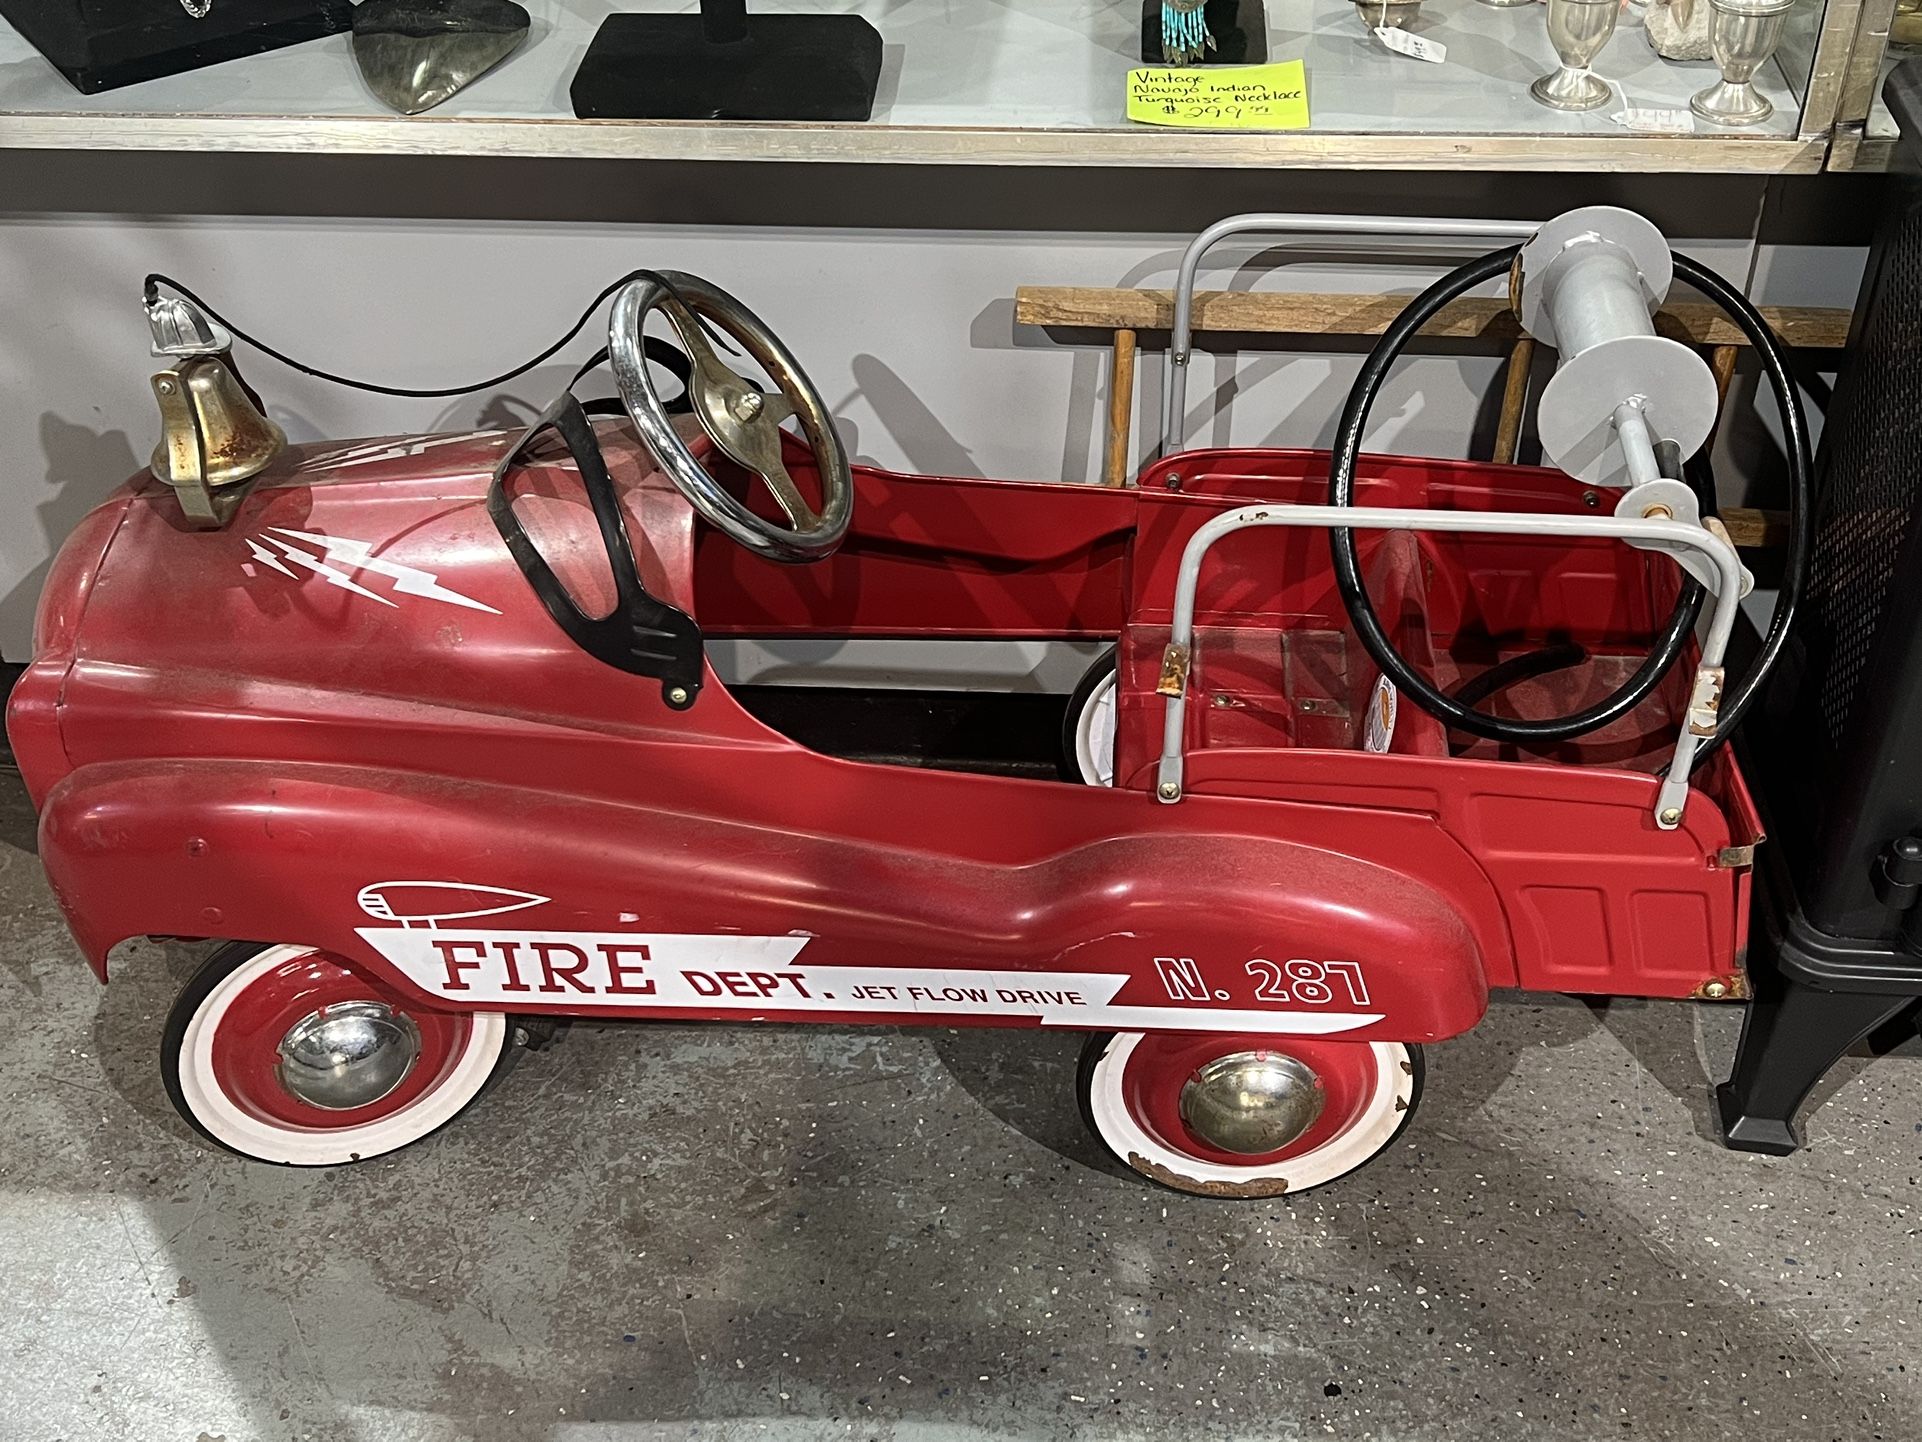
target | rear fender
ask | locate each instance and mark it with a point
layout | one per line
(485, 896)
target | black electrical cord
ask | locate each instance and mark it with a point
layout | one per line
(1354, 595)
(656, 349)
(1737, 699)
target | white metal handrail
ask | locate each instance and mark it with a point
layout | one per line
(1174, 395)
(1662, 535)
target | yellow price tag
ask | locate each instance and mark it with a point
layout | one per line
(1221, 97)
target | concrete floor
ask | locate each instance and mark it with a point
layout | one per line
(675, 1232)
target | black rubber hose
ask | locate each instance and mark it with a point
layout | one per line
(1346, 453)
(1737, 699)
(1517, 669)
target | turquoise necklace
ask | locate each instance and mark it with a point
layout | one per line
(1184, 32)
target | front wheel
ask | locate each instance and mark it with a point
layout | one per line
(1226, 1115)
(284, 1054)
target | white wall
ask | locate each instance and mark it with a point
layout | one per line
(895, 287)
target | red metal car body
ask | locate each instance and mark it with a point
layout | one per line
(345, 721)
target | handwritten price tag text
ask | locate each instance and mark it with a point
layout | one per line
(1238, 97)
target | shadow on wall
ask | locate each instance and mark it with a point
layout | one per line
(931, 448)
(995, 328)
(83, 467)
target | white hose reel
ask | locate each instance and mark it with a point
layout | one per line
(1625, 405)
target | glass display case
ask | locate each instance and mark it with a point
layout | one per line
(1038, 82)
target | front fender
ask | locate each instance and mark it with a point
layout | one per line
(454, 891)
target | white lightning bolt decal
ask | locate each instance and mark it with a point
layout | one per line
(321, 568)
(408, 580)
(268, 558)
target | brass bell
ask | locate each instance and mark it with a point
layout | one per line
(213, 435)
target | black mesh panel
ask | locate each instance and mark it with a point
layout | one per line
(1872, 467)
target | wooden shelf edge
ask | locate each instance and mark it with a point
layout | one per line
(1337, 313)
(563, 138)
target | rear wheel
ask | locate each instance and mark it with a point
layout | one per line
(284, 1054)
(1227, 1115)
(1088, 729)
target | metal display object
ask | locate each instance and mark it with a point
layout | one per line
(1390, 14)
(1578, 29)
(1743, 34)
(414, 54)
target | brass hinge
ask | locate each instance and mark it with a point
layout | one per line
(1174, 671)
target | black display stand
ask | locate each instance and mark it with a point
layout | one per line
(1240, 28)
(102, 44)
(1836, 754)
(719, 66)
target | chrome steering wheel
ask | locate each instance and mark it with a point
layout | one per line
(743, 422)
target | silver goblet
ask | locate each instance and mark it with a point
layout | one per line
(1578, 29)
(1388, 14)
(1743, 33)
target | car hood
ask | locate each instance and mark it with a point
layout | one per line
(352, 578)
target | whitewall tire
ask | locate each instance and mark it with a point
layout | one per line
(1088, 730)
(284, 1054)
(1138, 1094)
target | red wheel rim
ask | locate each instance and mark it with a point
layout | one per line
(247, 1037)
(1161, 1063)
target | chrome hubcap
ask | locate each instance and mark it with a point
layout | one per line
(348, 1055)
(1251, 1102)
